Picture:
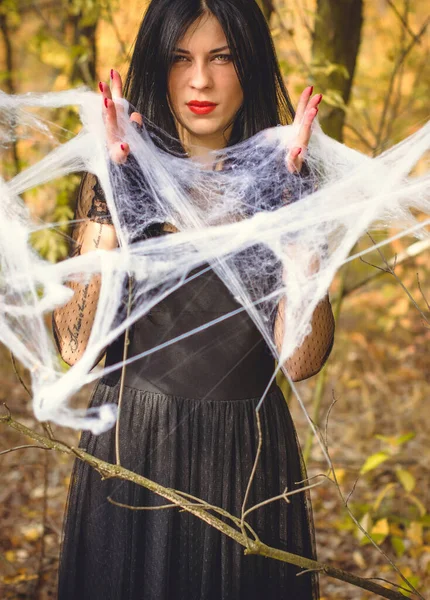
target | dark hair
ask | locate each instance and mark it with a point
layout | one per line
(266, 101)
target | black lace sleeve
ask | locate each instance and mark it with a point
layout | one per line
(91, 230)
(98, 212)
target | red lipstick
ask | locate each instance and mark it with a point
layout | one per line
(201, 108)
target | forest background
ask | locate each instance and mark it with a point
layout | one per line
(370, 59)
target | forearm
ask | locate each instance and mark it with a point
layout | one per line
(72, 322)
(309, 358)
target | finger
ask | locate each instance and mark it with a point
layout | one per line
(116, 84)
(115, 91)
(136, 117)
(303, 102)
(119, 152)
(314, 101)
(105, 90)
(111, 121)
(305, 131)
(294, 160)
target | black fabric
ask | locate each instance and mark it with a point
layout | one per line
(188, 422)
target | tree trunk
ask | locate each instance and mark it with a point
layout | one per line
(336, 41)
(84, 35)
(8, 81)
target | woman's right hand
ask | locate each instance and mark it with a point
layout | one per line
(118, 149)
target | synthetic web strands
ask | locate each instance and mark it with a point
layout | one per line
(268, 234)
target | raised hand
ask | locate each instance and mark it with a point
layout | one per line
(118, 149)
(307, 110)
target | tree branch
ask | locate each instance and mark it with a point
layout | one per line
(252, 546)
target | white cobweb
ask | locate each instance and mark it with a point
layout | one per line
(259, 227)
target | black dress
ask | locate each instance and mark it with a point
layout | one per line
(188, 422)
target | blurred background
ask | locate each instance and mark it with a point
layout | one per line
(370, 59)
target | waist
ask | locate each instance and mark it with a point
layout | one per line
(222, 362)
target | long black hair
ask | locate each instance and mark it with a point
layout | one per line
(266, 101)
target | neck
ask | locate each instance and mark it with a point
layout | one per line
(200, 148)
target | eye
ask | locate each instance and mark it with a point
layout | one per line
(179, 58)
(223, 57)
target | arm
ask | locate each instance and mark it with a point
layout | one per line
(72, 322)
(310, 357)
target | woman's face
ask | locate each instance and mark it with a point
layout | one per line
(204, 90)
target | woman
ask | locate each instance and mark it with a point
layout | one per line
(205, 72)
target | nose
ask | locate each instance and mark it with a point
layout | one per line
(200, 77)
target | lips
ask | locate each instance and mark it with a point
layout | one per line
(201, 108)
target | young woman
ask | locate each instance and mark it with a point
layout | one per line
(205, 73)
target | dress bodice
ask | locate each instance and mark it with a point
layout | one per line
(223, 361)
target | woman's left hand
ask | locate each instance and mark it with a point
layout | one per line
(307, 110)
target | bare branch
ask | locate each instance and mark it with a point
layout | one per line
(360, 136)
(287, 30)
(254, 468)
(23, 448)
(390, 269)
(122, 382)
(161, 507)
(110, 19)
(403, 22)
(400, 59)
(422, 293)
(283, 496)
(410, 253)
(251, 546)
(20, 379)
(39, 579)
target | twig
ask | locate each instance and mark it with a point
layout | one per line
(110, 19)
(220, 511)
(322, 377)
(409, 254)
(390, 268)
(46, 426)
(412, 98)
(251, 546)
(403, 21)
(286, 30)
(401, 58)
(330, 408)
(254, 468)
(22, 448)
(44, 519)
(306, 23)
(397, 94)
(368, 120)
(123, 369)
(421, 291)
(20, 379)
(161, 507)
(285, 496)
(360, 136)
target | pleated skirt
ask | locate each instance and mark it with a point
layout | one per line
(205, 448)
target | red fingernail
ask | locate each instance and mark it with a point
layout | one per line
(312, 89)
(106, 102)
(299, 152)
(101, 87)
(319, 99)
(123, 147)
(111, 73)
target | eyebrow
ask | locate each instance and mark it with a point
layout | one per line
(210, 52)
